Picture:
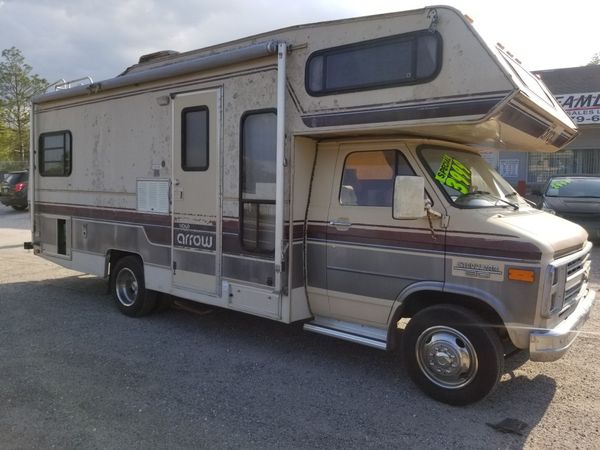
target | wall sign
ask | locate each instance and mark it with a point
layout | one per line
(583, 108)
(509, 168)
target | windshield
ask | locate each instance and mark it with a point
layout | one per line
(573, 187)
(468, 180)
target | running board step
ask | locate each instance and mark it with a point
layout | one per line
(346, 336)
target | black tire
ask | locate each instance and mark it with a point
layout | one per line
(129, 289)
(20, 207)
(452, 354)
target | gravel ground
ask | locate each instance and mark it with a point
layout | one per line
(75, 373)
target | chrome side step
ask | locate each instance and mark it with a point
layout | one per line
(328, 329)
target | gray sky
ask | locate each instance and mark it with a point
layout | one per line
(74, 38)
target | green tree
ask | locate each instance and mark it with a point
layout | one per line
(595, 59)
(17, 86)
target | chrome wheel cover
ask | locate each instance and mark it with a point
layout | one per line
(446, 357)
(126, 287)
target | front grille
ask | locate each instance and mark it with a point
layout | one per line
(569, 282)
(576, 277)
(577, 264)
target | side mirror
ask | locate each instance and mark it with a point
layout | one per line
(409, 193)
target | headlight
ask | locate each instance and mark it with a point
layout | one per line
(546, 208)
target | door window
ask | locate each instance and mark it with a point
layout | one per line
(257, 193)
(194, 139)
(368, 177)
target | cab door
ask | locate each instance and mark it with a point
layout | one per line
(196, 187)
(371, 257)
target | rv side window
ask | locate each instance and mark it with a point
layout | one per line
(368, 177)
(402, 59)
(257, 180)
(55, 154)
(194, 139)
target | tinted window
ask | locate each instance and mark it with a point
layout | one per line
(194, 140)
(404, 59)
(368, 177)
(55, 154)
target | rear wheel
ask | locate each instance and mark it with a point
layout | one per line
(128, 287)
(20, 207)
(452, 354)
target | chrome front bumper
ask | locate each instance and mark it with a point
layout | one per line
(550, 345)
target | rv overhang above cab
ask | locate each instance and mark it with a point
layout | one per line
(437, 78)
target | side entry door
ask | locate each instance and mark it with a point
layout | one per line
(196, 189)
(372, 257)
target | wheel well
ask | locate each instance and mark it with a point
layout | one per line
(112, 256)
(424, 299)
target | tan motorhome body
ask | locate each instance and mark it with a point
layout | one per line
(209, 228)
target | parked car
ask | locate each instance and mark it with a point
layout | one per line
(13, 190)
(575, 198)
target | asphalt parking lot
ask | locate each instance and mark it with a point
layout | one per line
(75, 373)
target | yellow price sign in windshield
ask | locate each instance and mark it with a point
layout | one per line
(557, 184)
(454, 174)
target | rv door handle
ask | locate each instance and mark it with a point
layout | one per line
(340, 224)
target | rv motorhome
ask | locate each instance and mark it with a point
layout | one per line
(330, 174)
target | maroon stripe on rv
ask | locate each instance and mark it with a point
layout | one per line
(387, 238)
(156, 226)
(480, 106)
(298, 231)
(490, 245)
(318, 232)
(493, 247)
(117, 215)
(231, 225)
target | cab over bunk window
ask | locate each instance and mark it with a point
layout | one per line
(409, 58)
(194, 139)
(368, 177)
(55, 154)
(257, 184)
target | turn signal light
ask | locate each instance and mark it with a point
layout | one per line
(521, 275)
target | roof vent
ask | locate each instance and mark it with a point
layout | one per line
(156, 55)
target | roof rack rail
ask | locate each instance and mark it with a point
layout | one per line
(63, 84)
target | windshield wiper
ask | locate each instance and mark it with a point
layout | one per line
(529, 202)
(513, 205)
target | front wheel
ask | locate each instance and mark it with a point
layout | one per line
(452, 354)
(128, 287)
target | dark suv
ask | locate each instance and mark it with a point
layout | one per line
(13, 190)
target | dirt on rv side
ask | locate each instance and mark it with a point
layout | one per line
(74, 372)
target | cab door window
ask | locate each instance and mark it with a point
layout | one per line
(368, 177)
